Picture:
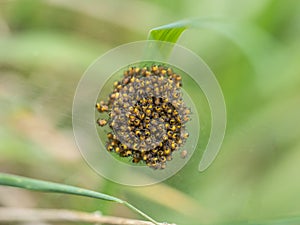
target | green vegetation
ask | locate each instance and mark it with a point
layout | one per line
(253, 48)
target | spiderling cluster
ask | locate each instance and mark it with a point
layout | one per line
(147, 115)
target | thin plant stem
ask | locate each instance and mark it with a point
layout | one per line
(8, 215)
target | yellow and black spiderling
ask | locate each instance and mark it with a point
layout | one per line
(147, 115)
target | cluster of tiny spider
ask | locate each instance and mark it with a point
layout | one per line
(147, 115)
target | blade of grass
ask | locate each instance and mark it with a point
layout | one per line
(251, 40)
(256, 44)
(45, 186)
(171, 33)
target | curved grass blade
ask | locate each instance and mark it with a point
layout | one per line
(45, 186)
(171, 33)
(252, 41)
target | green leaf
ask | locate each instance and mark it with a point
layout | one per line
(168, 32)
(254, 42)
(171, 32)
(251, 40)
(45, 186)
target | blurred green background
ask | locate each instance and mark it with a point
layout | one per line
(45, 47)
